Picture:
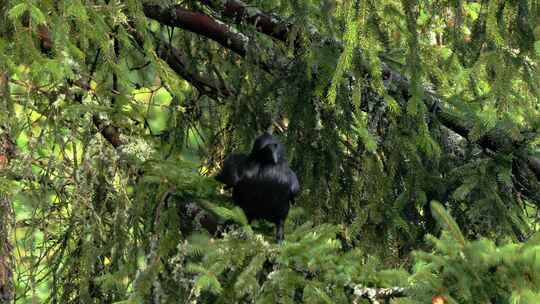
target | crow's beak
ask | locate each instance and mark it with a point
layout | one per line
(275, 156)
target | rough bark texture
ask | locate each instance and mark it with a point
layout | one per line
(204, 25)
(198, 23)
(264, 22)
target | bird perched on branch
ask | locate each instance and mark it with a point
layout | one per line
(262, 182)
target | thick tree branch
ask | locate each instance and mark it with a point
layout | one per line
(265, 23)
(199, 23)
(206, 26)
(526, 167)
(534, 164)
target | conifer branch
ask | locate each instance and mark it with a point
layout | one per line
(199, 23)
(275, 27)
(202, 24)
(264, 22)
(281, 30)
(177, 62)
(174, 58)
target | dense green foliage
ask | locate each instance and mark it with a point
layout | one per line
(120, 114)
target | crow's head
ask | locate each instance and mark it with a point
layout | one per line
(268, 150)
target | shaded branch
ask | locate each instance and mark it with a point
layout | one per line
(199, 23)
(108, 131)
(265, 23)
(174, 58)
(534, 165)
(204, 25)
(177, 62)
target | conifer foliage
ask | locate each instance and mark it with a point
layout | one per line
(119, 113)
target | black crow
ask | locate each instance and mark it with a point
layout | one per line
(263, 184)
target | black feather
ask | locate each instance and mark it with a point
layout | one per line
(263, 183)
(232, 169)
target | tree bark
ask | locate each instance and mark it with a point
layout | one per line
(265, 23)
(204, 25)
(199, 23)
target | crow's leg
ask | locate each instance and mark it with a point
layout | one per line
(280, 231)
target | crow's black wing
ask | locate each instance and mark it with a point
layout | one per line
(233, 169)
